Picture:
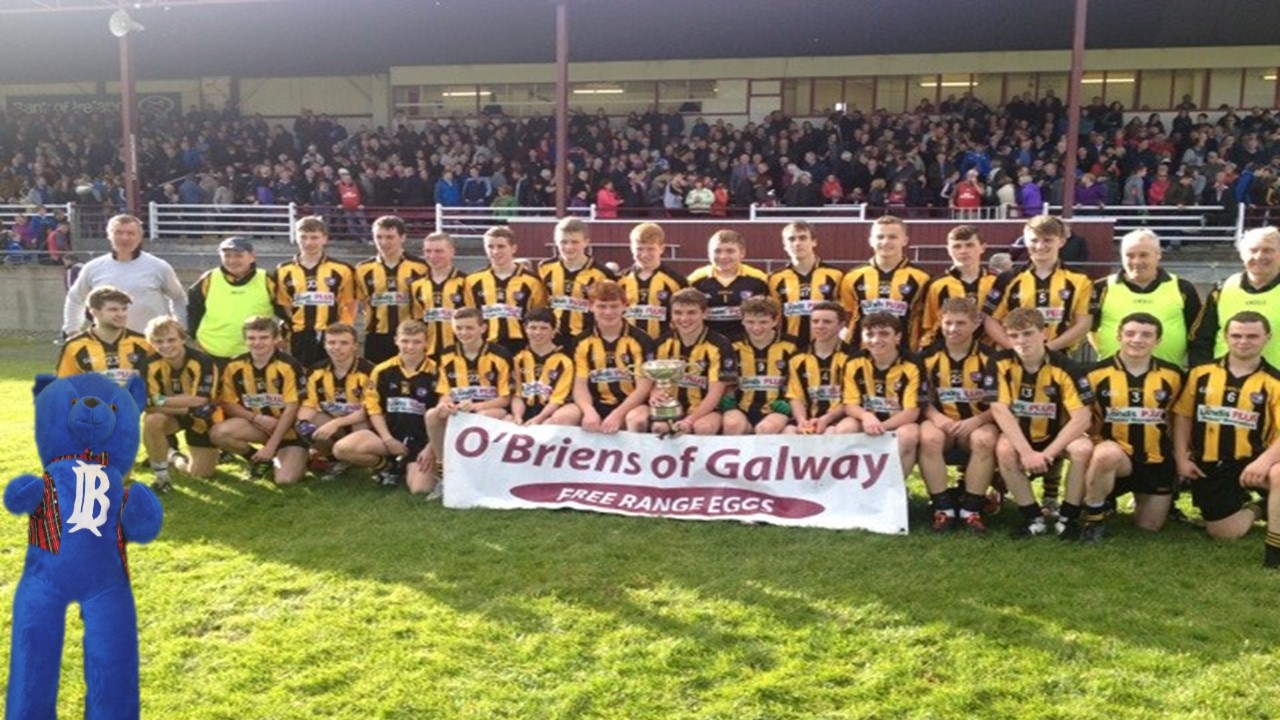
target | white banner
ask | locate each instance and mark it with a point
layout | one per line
(838, 482)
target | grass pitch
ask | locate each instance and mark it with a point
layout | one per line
(339, 600)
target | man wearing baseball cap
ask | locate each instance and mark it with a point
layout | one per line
(223, 298)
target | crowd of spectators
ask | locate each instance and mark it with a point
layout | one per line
(955, 157)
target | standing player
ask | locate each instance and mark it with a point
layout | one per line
(182, 389)
(109, 346)
(437, 294)
(815, 376)
(1134, 393)
(758, 406)
(504, 291)
(1224, 435)
(691, 339)
(958, 417)
(333, 405)
(260, 397)
(383, 285)
(965, 279)
(650, 283)
(1042, 408)
(568, 276)
(804, 283)
(314, 291)
(883, 389)
(400, 391)
(726, 282)
(888, 283)
(605, 386)
(543, 377)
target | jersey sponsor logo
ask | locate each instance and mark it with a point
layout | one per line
(438, 315)
(725, 312)
(91, 503)
(1227, 416)
(314, 298)
(689, 380)
(956, 395)
(798, 308)
(406, 406)
(389, 298)
(338, 409)
(1134, 416)
(825, 393)
(478, 392)
(877, 404)
(1052, 314)
(119, 375)
(501, 312)
(563, 302)
(609, 375)
(535, 390)
(762, 382)
(1022, 408)
(259, 401)
(897, 308)
(645, 312)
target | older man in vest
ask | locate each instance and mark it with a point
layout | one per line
(1256, 289)
(223, 298)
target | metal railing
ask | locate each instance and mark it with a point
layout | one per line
(1175, 224)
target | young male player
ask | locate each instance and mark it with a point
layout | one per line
(815, 377)
(1061, 295)
(727, 282)
(699, 390)
(260, 396)
(400, 391)
(314, 291)
(757, 405)
(182, 389)
(804, 283)
(1134, 393)
(333, 405)
(966, 278)
(958, 416)
(568, 276)
(438, 293)
(650, 283)
(884, 389)
(888, 283)
(607, 388)
(1224, 435)
(543, 376)
(108, 346)
(504, 291)
(1042, 408)
(383, 285)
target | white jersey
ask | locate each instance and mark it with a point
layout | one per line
(150, 281)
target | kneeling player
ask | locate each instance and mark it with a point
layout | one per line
(1134, 393)
(260, 399)
(334, 402)
(1224, 435)
(544, 376)
(958, 417)
(711, 362)
(400, 391)
(182, 385)
(606, 388)
(758, 405)
(814, 376)
(1042, 408)
(883, 388)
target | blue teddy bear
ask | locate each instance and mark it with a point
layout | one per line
(82, 515)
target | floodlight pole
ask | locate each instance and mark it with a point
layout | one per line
(562, 106)
(1073, 110)
(128, 125)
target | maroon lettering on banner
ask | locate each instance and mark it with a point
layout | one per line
(668, 502)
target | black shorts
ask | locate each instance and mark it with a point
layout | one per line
(755, 416)
(378, 347)
(1218, 495)
(195, 438)
(307, 347)
(531, 412)
(603, 410)
(1148, 479)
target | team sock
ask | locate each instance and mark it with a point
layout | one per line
(1069, 511)
(1095, 513)
(1029, 512)
(1272, 557)
(161, 471)
(971, 504)
(942, 502)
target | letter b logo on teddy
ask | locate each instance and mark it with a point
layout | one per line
(91, 506)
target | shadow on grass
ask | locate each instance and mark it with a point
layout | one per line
(1139, 589)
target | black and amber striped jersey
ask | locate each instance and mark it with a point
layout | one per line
(1233, 418)
(762, 373)
(1061, 298)
(433, 303)
(724, 300)
(315, 298)
(815, 382)
(943, 288)
(385, 291)
(959, 388)
(85, 352)
(608, 366)
(567, 293)
(486, 376)
(1133, 410)
(867, 290)
(402, 395)
(712, 356)
(504, 301)
(885, 392)
(798, 293)
(648, 298)
(334, 395)
(265, 390)
(1041, 401)
(543, 379)
(197, 375)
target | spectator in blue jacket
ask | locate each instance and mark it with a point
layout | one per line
(448, 191)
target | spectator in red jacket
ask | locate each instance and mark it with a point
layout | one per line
(607, 201)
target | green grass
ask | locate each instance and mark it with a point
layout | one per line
(338, 600)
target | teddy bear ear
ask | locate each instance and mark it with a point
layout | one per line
(42, 381)
(137, 387)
